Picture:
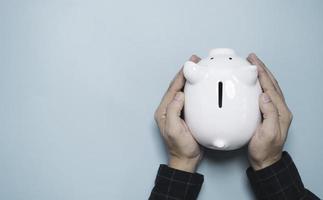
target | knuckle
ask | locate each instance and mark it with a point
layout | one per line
(270, 90)
(274, 112)
(275, 81)
(156, 118)
(156, 115)
(171, 132)
(170, 85)
(270, 114)
(288, 115)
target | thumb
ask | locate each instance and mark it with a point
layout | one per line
(269, 112)
(175, 107)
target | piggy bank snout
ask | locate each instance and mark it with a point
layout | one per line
(219, 144)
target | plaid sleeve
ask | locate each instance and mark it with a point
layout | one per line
(279, 181)
(173, 184)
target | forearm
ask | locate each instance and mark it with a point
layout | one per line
(171, 183)
(280, 180)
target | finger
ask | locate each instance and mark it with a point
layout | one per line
(264, 79)
(276, 95)
(269, 113)
(174, 109)
(268, 85)
(175, 86)
(195, 58)
(267, 107)
(285, 116)
(253, 59)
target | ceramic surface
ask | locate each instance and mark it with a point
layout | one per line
(221, 99)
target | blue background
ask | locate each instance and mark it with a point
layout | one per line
(80, 81)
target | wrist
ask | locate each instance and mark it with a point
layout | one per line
(184, 164)
(261, 164)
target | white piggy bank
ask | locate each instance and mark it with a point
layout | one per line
(221, 100)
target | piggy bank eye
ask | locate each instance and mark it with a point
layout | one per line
(211, 58)
(230, 58)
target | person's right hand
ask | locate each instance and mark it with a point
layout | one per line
(266, 146)
(184, 152)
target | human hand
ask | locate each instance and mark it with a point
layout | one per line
(266, 146)
(184, 152)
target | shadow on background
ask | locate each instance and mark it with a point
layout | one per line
(239, 157)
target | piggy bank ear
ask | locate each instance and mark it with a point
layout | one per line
(248, 74)
(193, 72)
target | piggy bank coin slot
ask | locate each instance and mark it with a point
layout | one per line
(220, 89)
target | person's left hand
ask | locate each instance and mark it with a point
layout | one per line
(184, 152)
(266, 145)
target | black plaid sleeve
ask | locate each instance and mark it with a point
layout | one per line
(173, 184)
(279, 181)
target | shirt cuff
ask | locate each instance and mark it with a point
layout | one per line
(171, 183)
(278, 180)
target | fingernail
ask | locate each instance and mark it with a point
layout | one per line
(178, 96)
(266, 98)
(252, 56)
(194, 58)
